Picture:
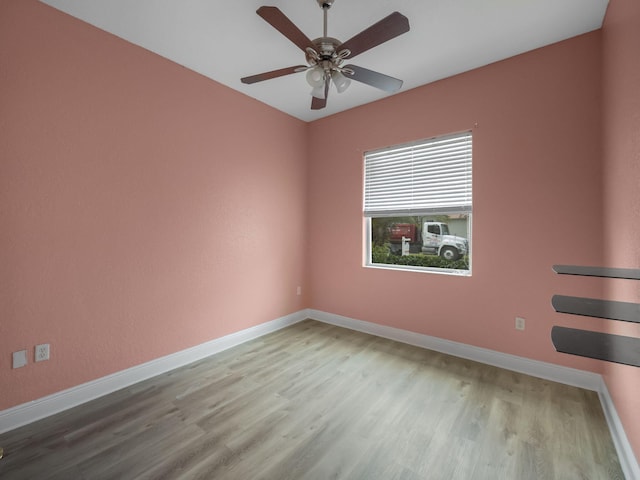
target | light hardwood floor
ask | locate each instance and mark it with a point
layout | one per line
(314, 401)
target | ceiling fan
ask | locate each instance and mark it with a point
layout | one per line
(325, 55)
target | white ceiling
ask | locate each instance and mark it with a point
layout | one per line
(228, 40)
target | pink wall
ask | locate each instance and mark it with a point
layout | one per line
(144, 208)
(621, 140)
(537, 201)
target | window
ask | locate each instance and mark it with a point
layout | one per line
(418, 205)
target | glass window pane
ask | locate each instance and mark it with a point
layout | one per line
(422, 242)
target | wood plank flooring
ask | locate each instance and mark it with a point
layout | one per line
(314, 401)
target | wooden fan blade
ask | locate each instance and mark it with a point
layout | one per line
(375, 79)
(320, 103)
(272, 74)
(386, 29)
(281, 22)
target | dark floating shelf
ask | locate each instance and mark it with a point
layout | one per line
(626, 273)
(601, 346)
(585, 343)
(591, 307)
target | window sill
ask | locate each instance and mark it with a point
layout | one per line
(411, 268)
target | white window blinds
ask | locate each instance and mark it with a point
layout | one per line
(430, 176)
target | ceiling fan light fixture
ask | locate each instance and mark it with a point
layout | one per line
(340, 81)
(315, 77)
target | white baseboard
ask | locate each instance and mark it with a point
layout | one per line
(548, 371)
(43, 407)
(627, 458)
(535, 368)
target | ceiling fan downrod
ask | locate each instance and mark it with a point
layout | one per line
(325, 5)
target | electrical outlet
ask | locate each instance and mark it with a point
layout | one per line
(299, 291)
(519, 323)
(19, 359)
(42, 352)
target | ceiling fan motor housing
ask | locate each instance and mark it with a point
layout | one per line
(326, 47)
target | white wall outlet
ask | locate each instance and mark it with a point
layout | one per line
(299, 290)
(519, 323)
(19, 359)
(42, 352)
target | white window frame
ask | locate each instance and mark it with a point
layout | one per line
(427, 177)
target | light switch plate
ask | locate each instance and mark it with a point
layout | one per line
(19, 359)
